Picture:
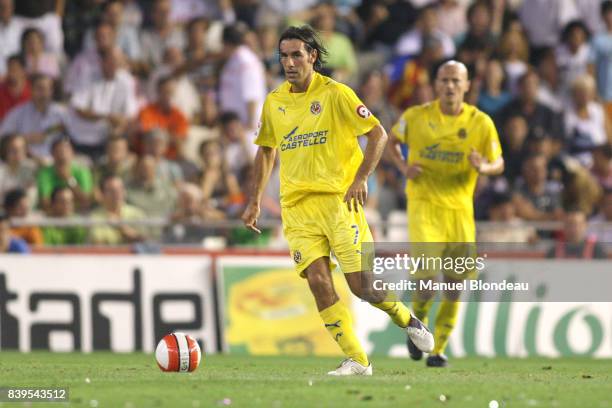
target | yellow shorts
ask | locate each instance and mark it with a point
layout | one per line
(320, 224)
(439, 232)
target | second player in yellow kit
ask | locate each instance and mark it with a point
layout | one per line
(440, 206)
(313, 122)
(450, 143)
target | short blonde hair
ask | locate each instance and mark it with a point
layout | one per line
(586, 82)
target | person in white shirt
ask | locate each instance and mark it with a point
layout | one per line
(40, 120)
(104, 108)
(11, 29)
(242, 84)
(585, 121)
(85, 67)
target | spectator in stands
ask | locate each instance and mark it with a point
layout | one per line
(209, 115)
(62, 207)
(586, 123)
(513, 136)
(238, 151)
(601, 223)
(187, 218)
(493, 94)
(372, 93)
(452, 17)
(484, 25)
(161, 35)
(38, 61)
(220, 187)
(64, 172)
(200, 61)
(573, 53)
(126, 35)
(580, 189)
(550, 92)
(17, 207)
(196, 50)
(411, 42)
(268, 38)
(39, 121)
(242, 80)
(341, 59)
(15, 88)
(115, 210)
(576, 242)
(47, 17)
(545, 144)
(10, 33)
(408, 73)
(185, 97)
(154, 195)
(601, 57)
(514, 53)
(8, 243)
(164, 115)
(536, 198)
(507, 226)
(103, 108)
(155, 145)
(118, 161)
(539, 118)
(86, 66)
(602, 165)
(16, 170)
(132, 13)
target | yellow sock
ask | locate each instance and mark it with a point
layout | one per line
(445, 322)
(339, 324)
(421, 309)
(398, 312)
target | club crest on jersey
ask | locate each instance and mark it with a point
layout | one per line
(363, 111)
(462, 133)
(315, 107)
(297, 257)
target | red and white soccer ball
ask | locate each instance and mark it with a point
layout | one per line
(178, 352)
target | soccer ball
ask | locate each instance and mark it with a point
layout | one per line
(178, 352)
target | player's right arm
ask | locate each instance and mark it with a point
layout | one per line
(399, 135)
(264, 163)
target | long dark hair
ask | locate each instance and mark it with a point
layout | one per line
(311, 41)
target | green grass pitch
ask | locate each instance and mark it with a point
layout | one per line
(133, 380)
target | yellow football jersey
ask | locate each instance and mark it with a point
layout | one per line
(441, 144)
(315, 133)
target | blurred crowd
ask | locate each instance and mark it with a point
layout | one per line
(128, 110)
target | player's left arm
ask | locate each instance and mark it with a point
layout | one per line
(487, 159)
(358, 191)
(483, 166)
(360, 121)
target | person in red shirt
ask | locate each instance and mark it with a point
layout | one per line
(163, 115)
(15, 89)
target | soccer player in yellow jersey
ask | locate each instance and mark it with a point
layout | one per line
(450, 143)
(313, 123)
